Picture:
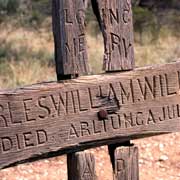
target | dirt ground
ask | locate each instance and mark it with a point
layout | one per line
(159, 160)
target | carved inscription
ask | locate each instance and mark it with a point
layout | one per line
(56, 116)
(69, 37)
(81, 166)
(110, 95)
(125, 120)
(126, 163)
(117, 27)
(22, 141)
(121, 168)
(87, 174)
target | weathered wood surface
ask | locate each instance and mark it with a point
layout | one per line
(115, 19)
(126, 163)
(64, 116)
(69, 38)
(81, 166)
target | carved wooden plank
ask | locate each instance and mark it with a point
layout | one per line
(69, 38)
(126, 163)
(64, 116)
(115, 19)
(81, 166)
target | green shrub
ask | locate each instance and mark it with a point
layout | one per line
(146, 23)
(9, 6)
(43, 6)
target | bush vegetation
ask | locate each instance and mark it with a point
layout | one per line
(26, 41)
(9, 6)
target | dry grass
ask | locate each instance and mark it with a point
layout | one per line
(29, 53)
(165, 49)
(26, 72)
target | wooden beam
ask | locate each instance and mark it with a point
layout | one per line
(67, 116)
(115, 19)
(69, 37)
(126, 163)
(81, 166)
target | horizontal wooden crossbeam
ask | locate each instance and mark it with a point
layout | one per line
(88, 112)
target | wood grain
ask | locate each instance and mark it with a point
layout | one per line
(63, 117)
(126, 163)
(81, 166)
(69, 38)
(115, 19)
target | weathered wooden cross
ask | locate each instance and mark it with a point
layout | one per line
(89, 111)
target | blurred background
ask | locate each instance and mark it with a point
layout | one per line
(27, 56)
(26, 40)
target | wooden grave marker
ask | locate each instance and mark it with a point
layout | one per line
(89, 111)
(53, 116)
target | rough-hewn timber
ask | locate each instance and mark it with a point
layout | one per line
(81, 166)
(69, 38)
(57, 116)
(126, 163)
(115, 19)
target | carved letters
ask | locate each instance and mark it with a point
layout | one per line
(22, 141)
(81, 166)
(125, 120)
(126, 163)
(54, 116)
(71, 102)
(69, 37)
(115, 19)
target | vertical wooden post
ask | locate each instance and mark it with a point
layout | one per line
(81, 166)
(71, 61)
(69, 37)
(125, 162)
(115, 19)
